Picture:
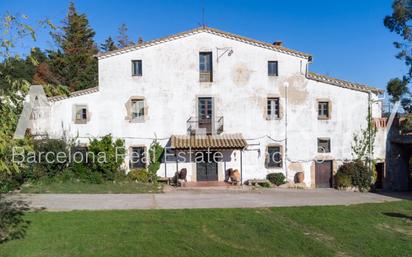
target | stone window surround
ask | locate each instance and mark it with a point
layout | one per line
(129, 109)
(267, 155)
(329, 108)
(76, 108)
(330, 144)
(130, 151)
(280, 107)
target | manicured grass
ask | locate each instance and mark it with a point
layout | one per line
(123, 187)
(358, 230)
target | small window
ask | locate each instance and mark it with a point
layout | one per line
(323, 110)
(81, 114)
(273, 68)
(137, 68)
(205, 67)
(273, 111)
(137, 158)
(274, 158)
(323, 145)
(137, 111)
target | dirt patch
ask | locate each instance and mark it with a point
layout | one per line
(221, 240)
(404, 229)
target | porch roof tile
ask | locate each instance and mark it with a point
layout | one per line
(226, 141)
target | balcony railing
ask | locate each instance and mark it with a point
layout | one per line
(196, 126)
(205, 77)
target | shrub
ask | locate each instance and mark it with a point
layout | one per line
(265, 184)
(276, 178)
(42, 167)
(359, 174)
(113, 153)
(79, 171)
(66, 175)
(406, 125)
(12, 224)
(342, 180)
(140, 175)
(155, 155)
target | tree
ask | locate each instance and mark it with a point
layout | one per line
(12, 91)
(123, 38)
(74, 61)
(400, 23)
(108, 45)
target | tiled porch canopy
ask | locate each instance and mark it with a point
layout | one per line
(227, 141)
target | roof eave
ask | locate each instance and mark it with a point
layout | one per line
(208, 30)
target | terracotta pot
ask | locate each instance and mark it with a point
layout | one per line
(299, 177)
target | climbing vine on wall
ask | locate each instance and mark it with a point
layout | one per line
(155, 156)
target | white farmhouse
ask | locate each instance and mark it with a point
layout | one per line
(209, 90)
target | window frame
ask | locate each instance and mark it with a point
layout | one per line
(139, 67)
(206, 74)
(322, 116)
(142, 114)
(269, 114)
(268, 160)
(328, 141)
(274, 73)
(140, 164)
(84, 114)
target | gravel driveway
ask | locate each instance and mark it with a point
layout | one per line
(200, 199)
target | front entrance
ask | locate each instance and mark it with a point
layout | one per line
(380, 168)
(323, 174)
(206, 167)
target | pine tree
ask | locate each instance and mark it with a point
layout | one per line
(108, 45)
(400, 23)
(74, 62)
(123, 38)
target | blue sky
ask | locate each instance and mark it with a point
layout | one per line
(346, 37)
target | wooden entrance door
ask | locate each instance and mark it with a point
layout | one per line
(323, 174)
(206, 169)
(380, 167)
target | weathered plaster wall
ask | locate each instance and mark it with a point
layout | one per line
(170, 86)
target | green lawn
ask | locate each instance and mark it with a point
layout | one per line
(358, 230)
(123, 187)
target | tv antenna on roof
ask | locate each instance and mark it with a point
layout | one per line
(202, 3)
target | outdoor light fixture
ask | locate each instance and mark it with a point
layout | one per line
(224, 50)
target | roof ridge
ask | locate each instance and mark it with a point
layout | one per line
(209, 30)
(343, 83)
(74, 94)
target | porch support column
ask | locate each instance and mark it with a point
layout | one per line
(241, 167)
(177, 161)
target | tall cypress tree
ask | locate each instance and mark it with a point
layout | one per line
(123, 38)
(74, 62)
(108, 45)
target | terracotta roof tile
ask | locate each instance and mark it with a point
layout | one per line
(343, 83)
(227, 141)
(211, 31)
(73, 94)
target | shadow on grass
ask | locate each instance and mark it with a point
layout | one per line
(407, 195)
(398, 215)
(12, 222)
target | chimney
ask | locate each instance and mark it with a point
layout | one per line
(278, 43)
(140, 41)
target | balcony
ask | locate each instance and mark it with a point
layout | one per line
(196, 126)
(205, 77)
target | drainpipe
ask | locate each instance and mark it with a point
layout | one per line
(369, 133)
(286, 129)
